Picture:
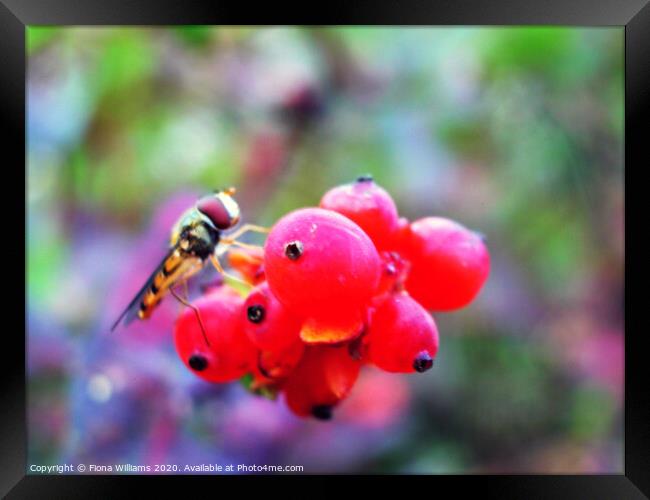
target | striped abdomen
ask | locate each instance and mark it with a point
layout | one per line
(173, 269)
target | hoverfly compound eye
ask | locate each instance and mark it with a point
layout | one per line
(220, 208)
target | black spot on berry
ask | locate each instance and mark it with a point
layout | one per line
(293, 250)
(198, 362)
(422, 362)
(322, 412)
(255, 313)
(354, 349)
(365, 178)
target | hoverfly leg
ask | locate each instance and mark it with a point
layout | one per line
(186, 289)
(220, 269)
(195, 309)
(230, 241)
(247, 228)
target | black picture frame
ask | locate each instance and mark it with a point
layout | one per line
(634, 15)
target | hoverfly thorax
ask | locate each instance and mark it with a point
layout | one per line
(220, 208)
(198, 239)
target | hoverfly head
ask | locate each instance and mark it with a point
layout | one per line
(221, 208)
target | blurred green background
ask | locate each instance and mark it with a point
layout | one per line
(515, 132)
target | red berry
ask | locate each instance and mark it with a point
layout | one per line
(367, 204)
(402, 235)
(276, 365)
(230, 354)
(402, 336)
(394, 272)
(267, 322)
(323, 378)
(449, 262)
(321, 265)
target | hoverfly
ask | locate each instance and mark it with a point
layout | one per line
(196, 238)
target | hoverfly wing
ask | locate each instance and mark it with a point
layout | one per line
(131, 311)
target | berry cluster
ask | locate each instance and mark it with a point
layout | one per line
(335, 287)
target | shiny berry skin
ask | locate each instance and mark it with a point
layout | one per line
(279, 364)
(449, 264)
(367, 204)
(267, 322)
(402, 336)
(319, 263)
(401, 235)
(323, 378)
(230, 354)
(395, 269)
